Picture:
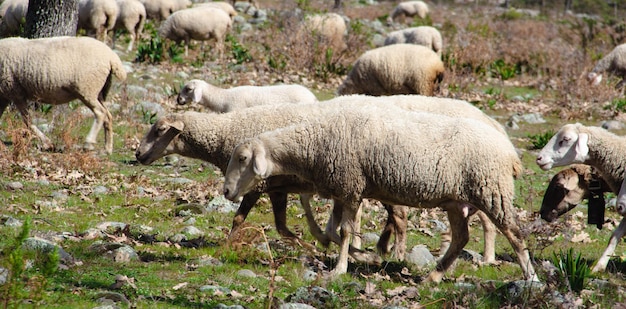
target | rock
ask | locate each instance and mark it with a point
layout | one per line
(612, 125)
(189, 209)
(222, 306)
(179, 180)
(246, 273)
(111, 226)
(4, 275)
(192, 232)
(471, 256)
(46, 247)
(370, 238)
(214, 288)
(420, 256)
(295, 306)
(107, 297)
(118, 252)
(14, 185)
(221, 204)
(309, 275)
(10, 221)
(100, 190)
(315, 296)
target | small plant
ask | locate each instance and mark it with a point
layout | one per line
(493, 91)
(148, 116)
(175, 52)
(45, 108)
(573, 269)
(151, 51)
(240, 53)
(539, 140)
(504, 70)
(618, 105)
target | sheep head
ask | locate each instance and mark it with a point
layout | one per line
(565, 191)
(248, 165)
(158, 141)
(594, 78)
(191, 92)
(567, 146)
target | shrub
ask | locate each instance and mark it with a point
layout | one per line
(573, 269)
(538, 141)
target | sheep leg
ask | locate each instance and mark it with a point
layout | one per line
(314, 229)
(242, 212)
(489, 233)
(511, 231)
(618, 233)
(348, 216)
(459, 230)
(22, 107)
(102, 119)
(397, 221)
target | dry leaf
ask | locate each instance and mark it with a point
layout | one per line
(180, 286)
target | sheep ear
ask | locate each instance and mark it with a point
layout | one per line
(177, 125)
(260, 163)
(197, 94)
(582, 147)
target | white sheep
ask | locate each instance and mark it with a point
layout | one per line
(12, 13)
(210, 137)
(597, 147)
(58, 70)
(327, 28)
(395, 69)
(97, 15)
(131, 18)
(408, 9)
(568, 188)
(397, 158)
(221, 100)
(227, 7)
(199, 23)
(422, 35)
(613, 63)
(162, 9)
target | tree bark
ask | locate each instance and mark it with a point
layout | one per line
(48, 18)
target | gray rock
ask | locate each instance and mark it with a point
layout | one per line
(92, 234)
(178, 238)
(15, 185)
(136, 91)
(533, 118)
(471, 256)
(59, 195)
(190, 221)
(213, 288)
(438, 226)
(182, 75)
(118, 252)
(192, 231)
(222, 306)
(99, 190)
(107, 297)
(44, 246)
(309, 275)
(312, 295)
(189, 209)
(4, 275)
(370, 238)
(111, 226)
(10, 221)
(43, 182)
(420, 256)
(246, 273)
(221, 204)
(149, 107)
(295, 306)
(612, 125)
(208, 261)
(179, 180)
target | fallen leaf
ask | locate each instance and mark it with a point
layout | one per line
(180, 286)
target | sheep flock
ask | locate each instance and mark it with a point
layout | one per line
(379, 117)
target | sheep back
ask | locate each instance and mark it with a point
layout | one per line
(131, 17)
(56, 70)
(395, 69)
(200, 23)
(423, 35)
(330, 28)
(98, 15)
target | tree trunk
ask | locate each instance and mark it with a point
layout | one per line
(48, 18)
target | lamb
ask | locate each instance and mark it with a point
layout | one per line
(199, 23)
(328, 28)
(227, 7)
(594, 146)
(568, 188)
(422, 35)
(12, 13)
(613, 63)
(58, 70)
(162, 9)
(397, 158)
(226, 100)
(395, 69)
(408, 9)
(131, 18)
(211, 138)
(97, 15)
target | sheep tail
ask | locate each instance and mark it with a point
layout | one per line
(518, 168)
(118, 69)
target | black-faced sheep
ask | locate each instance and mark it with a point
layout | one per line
(199, 23)
(597, 147)
(613, 63)
(423, 35)
(398, 158)
(58, 70)
(395, 69)
(221, 100)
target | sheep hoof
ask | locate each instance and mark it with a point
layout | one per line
(369, 258)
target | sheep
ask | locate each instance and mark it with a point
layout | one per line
(13, 14)
(97, 15)
(226, 100)
(58, 70)
(227, 7)
(396, 157)
(422, 35)
(613, 63)
(131, 18)
(597, 147)
(328, 28)
(211, 138)
(199, 23)
(408, 9)
(395, 69)
(162, 9)
(568, 188)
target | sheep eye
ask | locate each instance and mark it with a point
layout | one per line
(161, 130)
